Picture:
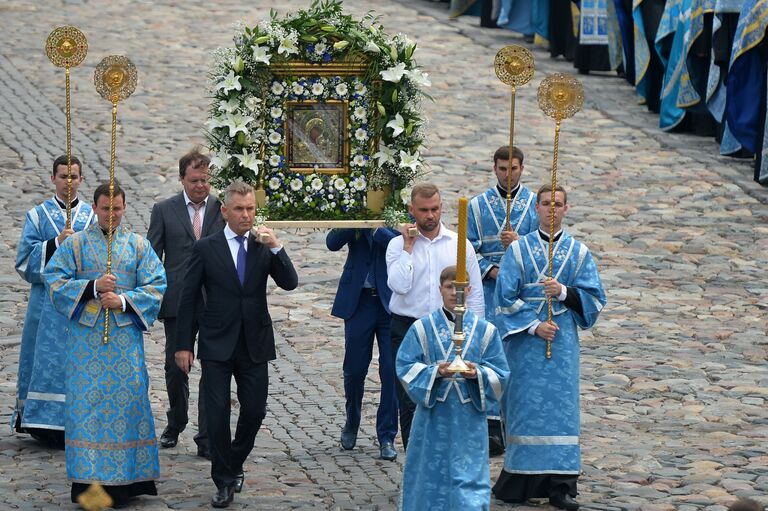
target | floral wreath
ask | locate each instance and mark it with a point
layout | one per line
(245, 127)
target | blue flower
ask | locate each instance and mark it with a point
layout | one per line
(326, 56)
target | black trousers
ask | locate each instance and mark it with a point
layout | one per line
(177, 386)
(228, 456)
(400, 326)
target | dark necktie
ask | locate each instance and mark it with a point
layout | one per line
(241, 259)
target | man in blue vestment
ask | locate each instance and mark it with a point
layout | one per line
(541, 401)
(110, 430)
(490, 237)
(40, 398)
(446, 465)
(362, 301)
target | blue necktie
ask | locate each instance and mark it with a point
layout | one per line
(241, 259)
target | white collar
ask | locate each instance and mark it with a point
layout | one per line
(187, 200)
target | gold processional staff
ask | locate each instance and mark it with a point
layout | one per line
(514, 66)
(115, 80)
(462, 281)
(67, 47)
(560, 97)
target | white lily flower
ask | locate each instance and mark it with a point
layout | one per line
(215, 122)
(385, 155)
(288, 46)
(252, 103)
(275, 138)
(372, 48)
(317, 88)
(274, 160)
(261, 54)
(361, 134)
(418, 77)
(277, 88)
(410, 161)
(397, 124)
(229, 106)
(342, 89)
(219, 160)
(249, 160)
(237, 123)
(405, 195)
(360, 113)
(393, 74)
(317, 184)
(296, 184)
(276, 112)
(229, 83)
(274, 183)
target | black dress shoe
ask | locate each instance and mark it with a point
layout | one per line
(387, 451)
(223, 497)
(564, 501)
(203, 452)
(239, 480)
(169, 438)
(348, 439)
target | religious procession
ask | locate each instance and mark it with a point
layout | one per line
(330, 218)
(698, 64)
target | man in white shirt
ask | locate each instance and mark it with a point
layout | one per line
(414, 264)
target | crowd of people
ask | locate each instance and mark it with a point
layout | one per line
(203, 270)
(702, 65)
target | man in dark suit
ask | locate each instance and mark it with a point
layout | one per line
(236, 337)
(362, 301)
(176, 223)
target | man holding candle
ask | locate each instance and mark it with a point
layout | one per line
(541, 401)
(490, 232)
(414, 264)
(449, 423)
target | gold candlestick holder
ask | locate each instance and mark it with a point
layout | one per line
(115, 80)
(560, 96)
(67, 47)
(458, 365)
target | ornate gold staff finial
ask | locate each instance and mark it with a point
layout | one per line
(67, 47)
(560, 97)
(514, 66)
(115, 79)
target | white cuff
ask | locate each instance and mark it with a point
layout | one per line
(122, 299)
(533, 327)
(275, 250)
(563, 293)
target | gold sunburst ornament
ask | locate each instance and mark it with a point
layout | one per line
(115, 80)
(514, 66)
(67, 47)
(560, 97)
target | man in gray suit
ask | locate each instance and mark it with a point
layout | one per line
(176, 223)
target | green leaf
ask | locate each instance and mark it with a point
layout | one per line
(394, 96)
(409, 128)
(241, 138)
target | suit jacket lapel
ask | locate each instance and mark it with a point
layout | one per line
(210, 214)
(221, 248)
(183, 214)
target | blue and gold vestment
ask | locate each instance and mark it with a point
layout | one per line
(446, 465)
(110, 433)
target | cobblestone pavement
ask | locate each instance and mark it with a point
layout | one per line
(674, 378)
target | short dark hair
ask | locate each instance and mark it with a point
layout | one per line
(746, 505)
(103, 190)
(62, 160)
(426, 190)
(502, 153)
(193, 159)
(448, 273)
(548, 189)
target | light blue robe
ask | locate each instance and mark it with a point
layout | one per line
(517, 15)
(485, 223)
(110, 433)
(446, 465)
(541, 402)
(40, 385)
